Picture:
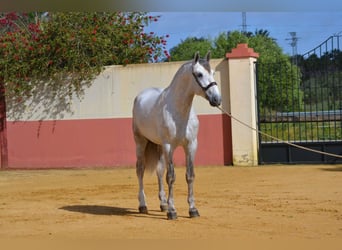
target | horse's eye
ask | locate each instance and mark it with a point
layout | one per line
(199, 75)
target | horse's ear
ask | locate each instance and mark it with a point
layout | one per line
(208, 56)
(196, 57)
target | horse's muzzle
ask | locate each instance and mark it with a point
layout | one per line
(215, 101)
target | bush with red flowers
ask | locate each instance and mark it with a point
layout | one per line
(65, 51)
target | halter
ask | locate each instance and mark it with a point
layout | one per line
(204, 88)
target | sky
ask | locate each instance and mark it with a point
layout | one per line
(312, 20)
(312, 28)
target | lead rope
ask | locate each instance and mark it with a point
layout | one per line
(277, 139)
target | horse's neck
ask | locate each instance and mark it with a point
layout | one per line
(181, 94)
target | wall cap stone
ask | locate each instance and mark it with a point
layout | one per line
(242, 51)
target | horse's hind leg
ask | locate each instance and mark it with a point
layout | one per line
(162, 195)
(140, 169)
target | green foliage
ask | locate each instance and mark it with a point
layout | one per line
(278, 80)
(279, 87)
(188, 47)
(313, 63)
(322, 79)
(224, 43)
(279, 84)
(260, 41)
(322, 90)
(65, 51)
(302, 131)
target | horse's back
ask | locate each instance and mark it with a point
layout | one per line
(145, 101)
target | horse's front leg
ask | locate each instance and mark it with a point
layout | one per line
(190, 151)
(140, 169)
(170, 179)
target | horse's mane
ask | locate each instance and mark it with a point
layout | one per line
(201, 61)
(187, 65)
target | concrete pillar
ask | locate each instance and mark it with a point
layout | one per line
(242, 84)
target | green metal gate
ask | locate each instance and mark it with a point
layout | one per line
(301, 103)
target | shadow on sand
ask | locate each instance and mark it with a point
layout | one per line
(333, 169)
(111, 211)
(100, 210)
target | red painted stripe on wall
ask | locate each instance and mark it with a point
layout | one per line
(103, 142)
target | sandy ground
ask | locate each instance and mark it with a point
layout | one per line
(269, 202)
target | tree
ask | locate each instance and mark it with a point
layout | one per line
(260, 41)
(262, 32)
(188, 47)
(321, 74)
(225, 42)
(271, 60)
(76, 45)
(59, 54)
(279, 80)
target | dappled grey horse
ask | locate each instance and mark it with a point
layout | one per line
(164, 119)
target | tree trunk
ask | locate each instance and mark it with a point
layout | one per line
(3, 128)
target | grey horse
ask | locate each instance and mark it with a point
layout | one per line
(164, 119)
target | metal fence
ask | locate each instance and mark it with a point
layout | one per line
(302, 102)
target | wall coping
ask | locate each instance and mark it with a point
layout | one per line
(242, 51)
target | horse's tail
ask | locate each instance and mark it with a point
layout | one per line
(153, 156)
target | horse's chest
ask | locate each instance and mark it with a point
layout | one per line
(178, 129)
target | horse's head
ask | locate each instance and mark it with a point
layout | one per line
(204, 79)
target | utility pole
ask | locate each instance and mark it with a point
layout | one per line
(244, 23)
(293, 42)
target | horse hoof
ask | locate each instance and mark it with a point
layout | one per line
(164, 207)
(143, 210)
(194, 213)
(171, 215)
